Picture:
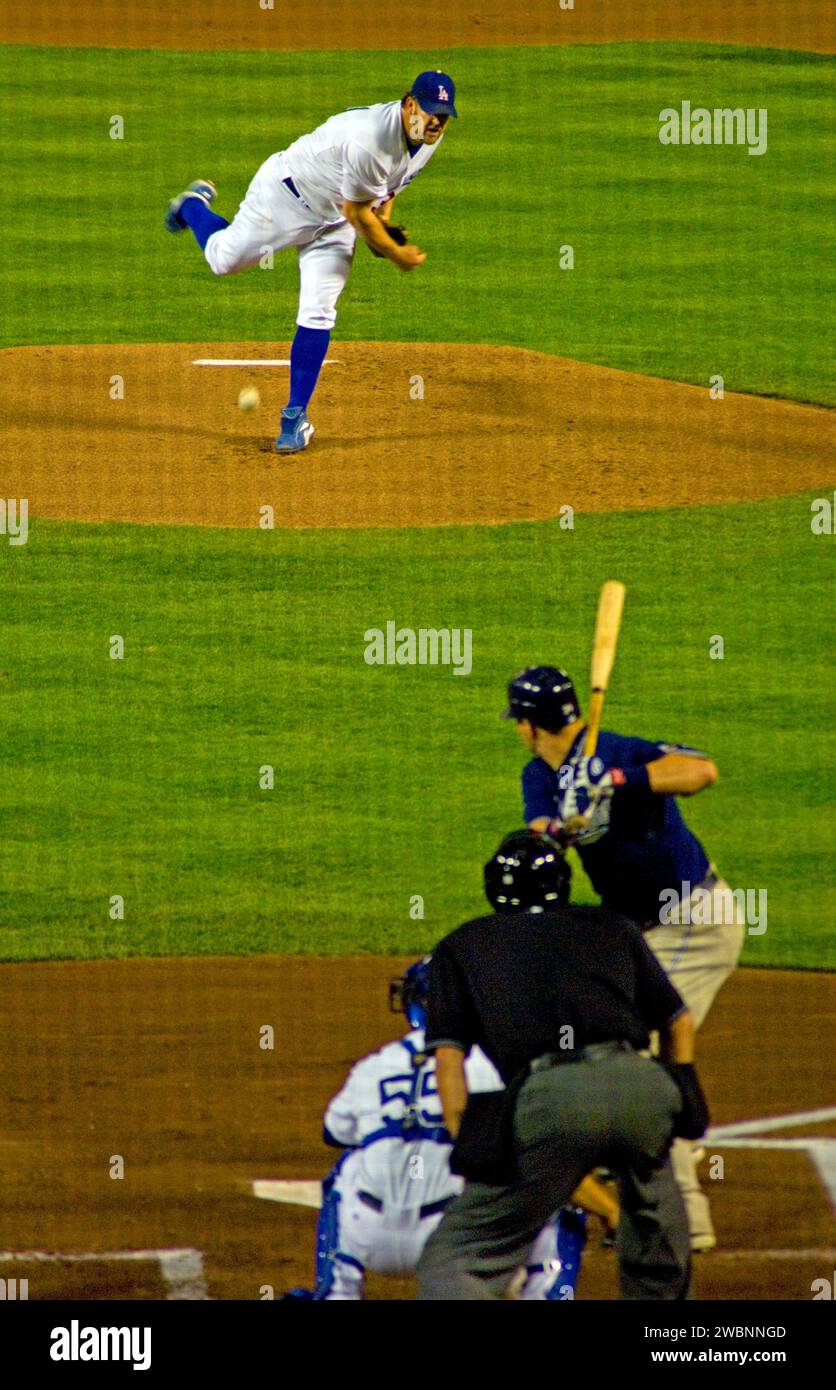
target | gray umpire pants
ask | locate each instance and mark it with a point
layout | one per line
(615, 1109)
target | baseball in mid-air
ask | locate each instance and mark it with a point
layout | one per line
(249, 398)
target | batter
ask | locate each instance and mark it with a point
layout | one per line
(319, 195)
(635, 847)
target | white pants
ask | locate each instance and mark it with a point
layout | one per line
(272, 219)
(698, 958)
(389, 1241)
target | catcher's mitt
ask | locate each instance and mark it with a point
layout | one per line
(398, 234)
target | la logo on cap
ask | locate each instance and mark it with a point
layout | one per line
(443, 94)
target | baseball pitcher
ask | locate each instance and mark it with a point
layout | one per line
(319, 195)
(389, 1189)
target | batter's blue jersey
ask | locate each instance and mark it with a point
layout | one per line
(646, 848)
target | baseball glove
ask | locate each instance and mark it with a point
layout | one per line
(398, 235)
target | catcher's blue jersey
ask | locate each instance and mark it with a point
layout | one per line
(645, 849)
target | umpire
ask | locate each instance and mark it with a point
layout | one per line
(562, 999)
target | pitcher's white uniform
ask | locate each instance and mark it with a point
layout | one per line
(360, 155)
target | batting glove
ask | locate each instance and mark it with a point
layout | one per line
(591, 782)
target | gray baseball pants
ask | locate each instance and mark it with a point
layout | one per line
(615, 1109)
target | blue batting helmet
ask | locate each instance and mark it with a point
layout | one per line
(545, 695)
(408, 995)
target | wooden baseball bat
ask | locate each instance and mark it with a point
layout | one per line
(607, 625)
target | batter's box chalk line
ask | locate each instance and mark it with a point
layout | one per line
(819, 1255)
(255, 362)
(296, 1192)
(821, 1150)
(301, 1192)
(181, 1270)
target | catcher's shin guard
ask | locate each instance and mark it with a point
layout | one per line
(571, 1239)
(338, 1275)
(555, 1259)
(327, 1235)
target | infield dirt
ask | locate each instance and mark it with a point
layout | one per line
(343, 24)
(499, 434)
(159, 1061)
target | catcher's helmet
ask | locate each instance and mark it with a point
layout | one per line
(408, 995)
(527, 871)
(545, 695)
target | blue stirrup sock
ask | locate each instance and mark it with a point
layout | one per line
(201, 219)
(307, 355)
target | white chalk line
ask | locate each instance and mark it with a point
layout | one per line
(181, 1269)
(820, 1148)
(823, 1154)
(801, 1117)
(812, 1254)
(307, 1194)
(297, 1193)
(182, 1272)
(762, 1143)
(254, 362)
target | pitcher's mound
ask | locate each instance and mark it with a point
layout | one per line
(406, 435)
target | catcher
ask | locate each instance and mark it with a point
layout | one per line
(388, 1191)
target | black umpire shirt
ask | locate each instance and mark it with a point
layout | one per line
(513, 982)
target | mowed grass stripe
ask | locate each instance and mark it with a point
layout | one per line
(140, 777)
(688, 261)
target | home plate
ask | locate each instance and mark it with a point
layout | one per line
(297, 1193)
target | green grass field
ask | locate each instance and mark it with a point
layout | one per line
(140, 777)
(687, 261)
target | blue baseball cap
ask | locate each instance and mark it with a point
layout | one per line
(435, 93)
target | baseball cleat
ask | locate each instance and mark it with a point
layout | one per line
(296, 433)
(203, 189)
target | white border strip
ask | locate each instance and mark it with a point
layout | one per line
(801, 1117)
(821, 1150)
(823, 1154)
(182, 1270)
(826, 1254)
(298, 1193)
(760, 1143)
